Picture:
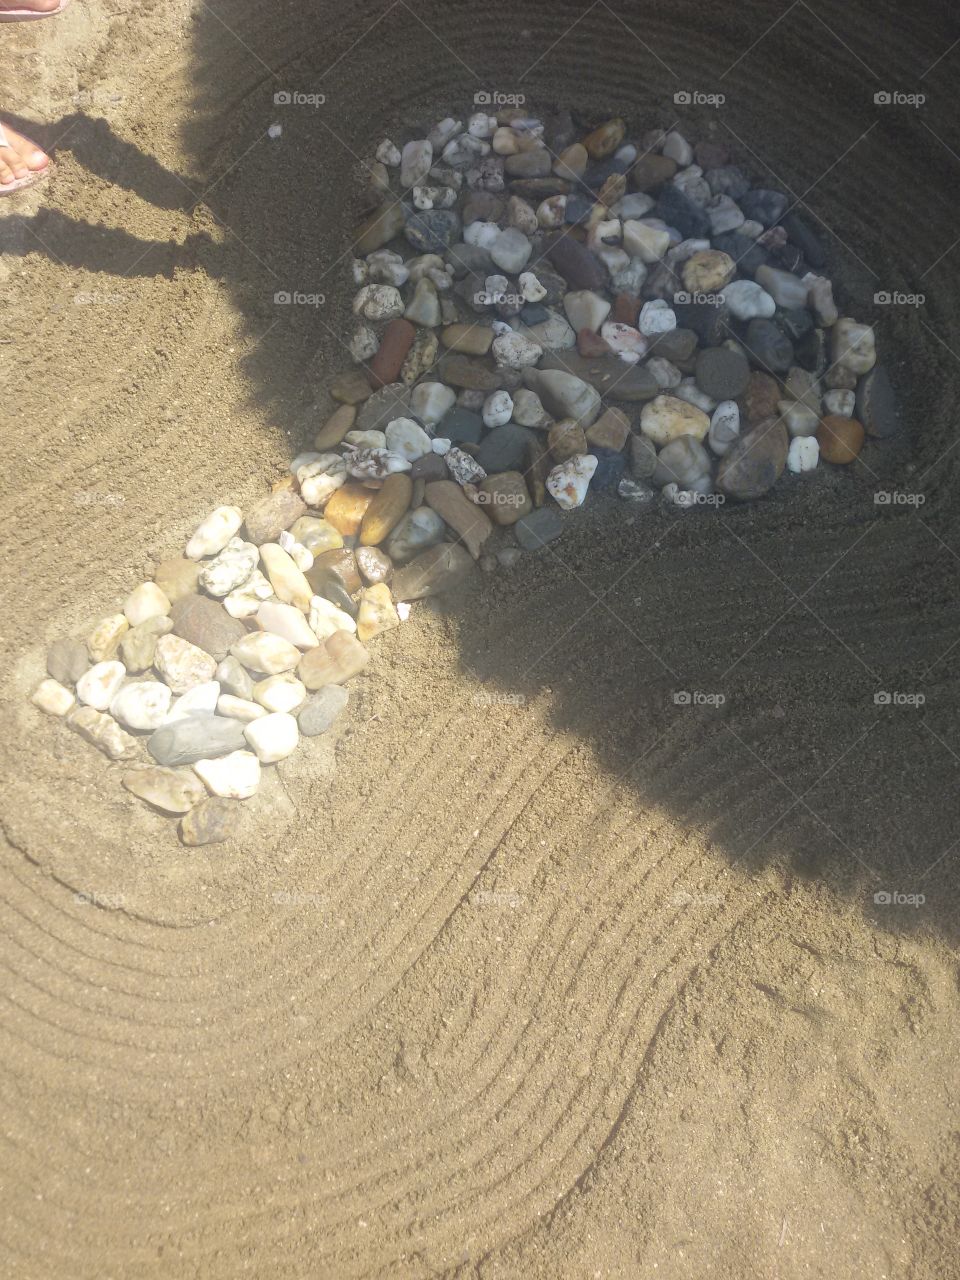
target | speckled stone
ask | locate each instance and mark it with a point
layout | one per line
(211, 822)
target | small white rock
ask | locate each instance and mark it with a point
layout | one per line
(803, 454)
(497, 409)
(320, 480)
(274, 737)
(96, 688)
(366, 440)
(748, 300)
(280, 693)
(297, 552)
(416, 160)
(514, 351)
(407, 439)
(441, 445)
(243, 602)
(261, 651)
(230, 569)
(201, 700)
(235, 776)
(287, 620)
(386, 267)
(430, 401)
(627, 342)
(568, 483)
(326, 618)
(656, 317)
(645, 242)
(531, 287)
(840, 403)
(234, 708)
(724, 427)
(585, 309)
(388, 154)
(51, 697)
(678, 148)
(378, 302)
(142, 705)
(213, 534)
(145, 601)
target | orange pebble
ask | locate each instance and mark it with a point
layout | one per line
(347, 507)
(840, 439)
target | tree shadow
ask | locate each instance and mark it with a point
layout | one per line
(757, 671)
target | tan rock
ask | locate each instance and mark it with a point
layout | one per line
(286, 579)
(755, 463)
(53, 698)
(340, 657)
(335, 428)
(708, 271)
(605, 139)
(177, 578)
(351, 387)
(171, 790)
(268, 518)
(610, 431)
(665, 418)
(103, 732)
(566, 438)
(379, 229)
(377, 612)
(104, 640)
(469, 339)
(467, 521)
(347, 507)
(505, 497)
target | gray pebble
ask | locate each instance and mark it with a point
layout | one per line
(196, 738)
(322, 709)
(538, 528)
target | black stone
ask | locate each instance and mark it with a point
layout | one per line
(460, 426)
(578, 209)
(611, 465)
(330, 587)
(709, 321)
(796, 322)
(505, 449)
(678, 210)
(728, 181)
(468, 258)
(876, 403)
(763, 206)
(534, 312)
(746, 253)
(768, 347)
(809, 244)
(431, 230)
(723, 374)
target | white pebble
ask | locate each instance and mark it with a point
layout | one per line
(145, 601)
(497, 409)
(234, 708)
(585, 309)
(326, 618)
(142, 705)
(748, 300)
(416, 160)
(430, 401)
(803, 454)
(286, 620)
(629, 343)
(656, 317)
(96, 688)
(841, 403)
(531, 287)
(514, 351)
(407, 439)
(724, 427)
(678, 148)
(244, 601)
(568, 483)
(201, 700)
(481, 234)
(51, 696)
(297, 552)
(378, 302)
(235, 776)
(280, 693)
(274, 737)
(230, 569)
(213, 534)
(388, 154)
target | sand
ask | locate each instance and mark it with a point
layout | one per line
(530, 972)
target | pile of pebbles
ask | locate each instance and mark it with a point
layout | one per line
(538, 316)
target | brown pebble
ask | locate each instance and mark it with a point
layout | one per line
(396, 342)
(468, 339)
(539, 464)
(605, 139)
(269, 517)
(471, 525)
(566, 439)
(430, 467)
(626, 309)
(610, 431)
(335, 661)
(590, 344)
(339, 565)
(505, 497)
(711, 155)
(761, 398)
(178, 578)
(840, 439)
(652, 171)
(351, 387)
(347, 507)
(755, 463)
(210, 822)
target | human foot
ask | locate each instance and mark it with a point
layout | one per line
(24, 10)
(21, 161)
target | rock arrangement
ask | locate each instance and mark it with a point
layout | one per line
(555, 315)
